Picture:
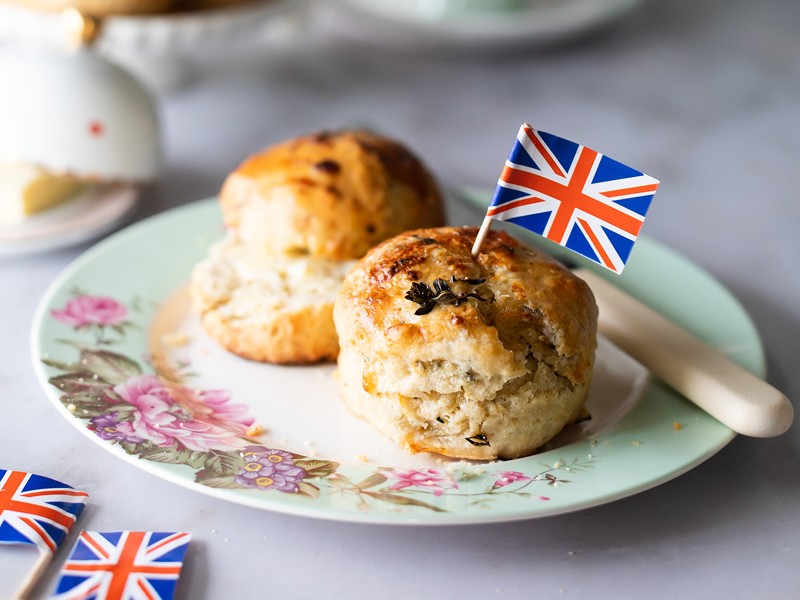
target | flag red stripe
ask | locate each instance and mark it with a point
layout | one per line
(124, 567)
(125, 564)
(571, 197)
(145, 591)
(89, 540)
(78, 567)
(16, 479)
(596, 244)
(165, 541)
(642, 189)
(58, 491)
(495, 210)
(544, 152)
(42, 533)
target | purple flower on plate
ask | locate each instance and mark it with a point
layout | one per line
(270, 469)
(107, 427)
(86, 310)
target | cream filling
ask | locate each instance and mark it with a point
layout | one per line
(246, 285)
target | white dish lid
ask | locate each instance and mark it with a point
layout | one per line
(76, 113)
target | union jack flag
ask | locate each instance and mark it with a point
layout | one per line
(574, 196)
(123, 565)
(37, 510)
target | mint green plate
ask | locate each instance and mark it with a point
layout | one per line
(123, 360)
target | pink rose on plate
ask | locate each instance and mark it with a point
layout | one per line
(91, 310)
(164, 421)
(213, 407)
(429, 479)
(505, 478)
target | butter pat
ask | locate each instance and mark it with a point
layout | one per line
(26, 190)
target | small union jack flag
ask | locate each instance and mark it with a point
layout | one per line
(37, 510)
(123, 565)
(574, 196)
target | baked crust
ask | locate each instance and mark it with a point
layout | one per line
(321, 201)
(331, 194)
(513, 366)
(300, 336)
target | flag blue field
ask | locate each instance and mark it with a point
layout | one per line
(574, 196)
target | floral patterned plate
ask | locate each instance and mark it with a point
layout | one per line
(120, 355)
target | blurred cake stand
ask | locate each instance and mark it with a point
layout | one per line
(163, 50)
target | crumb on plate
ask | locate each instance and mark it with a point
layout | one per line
(175, 339)
(255, 430)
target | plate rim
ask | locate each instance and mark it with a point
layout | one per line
(337, 513)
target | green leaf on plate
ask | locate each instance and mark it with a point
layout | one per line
(110, 366)
(85, 405)
(372, 481)
(317, 468)
(402, 500)
(223, 463)
(62, 366)
(133, 449)
(173, 456)
(209, 478)
(79, 382)
(308, 489)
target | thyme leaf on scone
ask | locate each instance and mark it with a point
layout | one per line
(440, 292)
(478, 440)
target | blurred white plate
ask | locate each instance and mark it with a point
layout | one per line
(474, 24)
(85, 217)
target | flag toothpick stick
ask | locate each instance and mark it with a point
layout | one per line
(476, 247)
(25, 588)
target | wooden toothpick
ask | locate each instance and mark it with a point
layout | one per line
(476, 247)
(33, 576)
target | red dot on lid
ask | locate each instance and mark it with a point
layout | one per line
(96, 128)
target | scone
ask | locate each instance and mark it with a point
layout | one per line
(331, 195)
(299, 214)
(276, 309)
(477, 358)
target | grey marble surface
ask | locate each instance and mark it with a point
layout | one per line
(704, 96)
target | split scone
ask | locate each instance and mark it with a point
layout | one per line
(299, 214)
(477, 358)
(276, 309)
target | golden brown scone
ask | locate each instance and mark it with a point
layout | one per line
(331, 194)
(495, 376)
(300, 213)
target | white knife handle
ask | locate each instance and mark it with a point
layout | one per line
(733, 395)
